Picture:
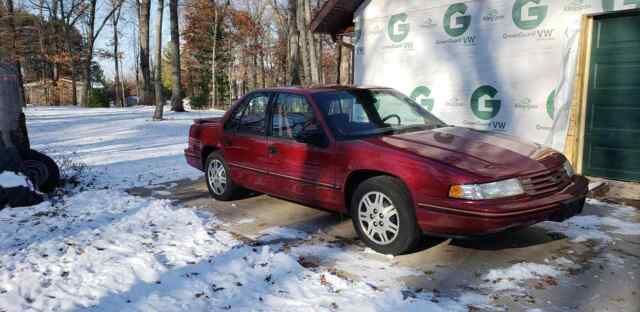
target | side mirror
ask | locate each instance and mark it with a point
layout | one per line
(313, 137)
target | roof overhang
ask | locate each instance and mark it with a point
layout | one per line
(335, 17)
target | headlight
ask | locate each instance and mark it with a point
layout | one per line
(506, 188)
(568, 169)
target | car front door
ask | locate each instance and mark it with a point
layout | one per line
(299, 171)
(244, 141)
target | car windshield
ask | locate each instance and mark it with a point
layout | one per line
(358, 113)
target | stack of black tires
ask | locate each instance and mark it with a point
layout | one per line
(42, 172)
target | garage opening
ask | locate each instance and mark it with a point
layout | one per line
(612, 128)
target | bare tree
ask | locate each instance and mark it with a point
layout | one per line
(14, 57)
(144, 13)
(217, 23)
(136, 54)
(283, 32)
(302, 41)
(119, 91)
(157, 115)
(311, 45)
(176, 93)
(70, 16)
(13, 130)
(92, 35)
(294, 47)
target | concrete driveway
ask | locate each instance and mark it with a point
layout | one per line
(598, 273)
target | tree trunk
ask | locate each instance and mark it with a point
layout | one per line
(294, 48)
(311, 45)
(176, 92)
(263, 71)
(13, 133)
(89, 53)
(119, 98)
(214, 65)
(136, 53)
(157, 115)
(144, 11)
(14, 57)
(74, 84)
(254, 71)
(302, 42)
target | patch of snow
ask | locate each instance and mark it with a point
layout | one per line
(10, 179)
(373, 252)
(511, 278)
(615, 260)
(280, 233)
(618, 211)
(246, 221)
(622, 227)
(592, 227)
(579, 228)
(162, 193)
(378, 271)
(563, 261)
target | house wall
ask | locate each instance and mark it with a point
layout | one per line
(502, 65)
(45, 93)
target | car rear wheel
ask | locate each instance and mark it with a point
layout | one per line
(383, 215)
(219, 182)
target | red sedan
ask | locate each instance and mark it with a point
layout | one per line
(379, 156)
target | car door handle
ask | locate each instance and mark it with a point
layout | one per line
(226, 142)
(273, 150)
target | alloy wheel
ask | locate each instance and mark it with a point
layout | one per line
(378, 218)
(217, 176)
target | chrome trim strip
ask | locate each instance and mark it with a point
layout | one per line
(283, 176)
(490, 214)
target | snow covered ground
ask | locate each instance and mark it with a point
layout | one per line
(107, 251)
(101, 249)
(123, 147)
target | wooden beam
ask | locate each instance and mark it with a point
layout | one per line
(586, 61)
(574, 146)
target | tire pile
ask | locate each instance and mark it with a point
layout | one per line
(41, 171)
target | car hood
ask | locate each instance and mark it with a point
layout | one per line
(482, 153)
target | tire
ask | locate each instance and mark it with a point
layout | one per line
(42, 170)
(222, 190)
(380, 225)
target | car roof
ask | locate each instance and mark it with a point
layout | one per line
(319, 89)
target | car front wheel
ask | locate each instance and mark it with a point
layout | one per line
(219, 182)
(383, 215)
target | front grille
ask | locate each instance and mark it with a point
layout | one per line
(545, 182)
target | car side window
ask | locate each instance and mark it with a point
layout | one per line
(292, 114)
(251, 116)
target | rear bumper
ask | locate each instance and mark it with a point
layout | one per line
(193, 158)
(471, 219)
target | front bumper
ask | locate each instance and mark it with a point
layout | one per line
(481, 218)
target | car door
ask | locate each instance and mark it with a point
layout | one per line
(299, 171)
(244, 141)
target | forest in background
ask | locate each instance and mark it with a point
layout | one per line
(215, 52)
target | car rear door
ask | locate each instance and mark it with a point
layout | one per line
(244, 141)
(299, 171)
